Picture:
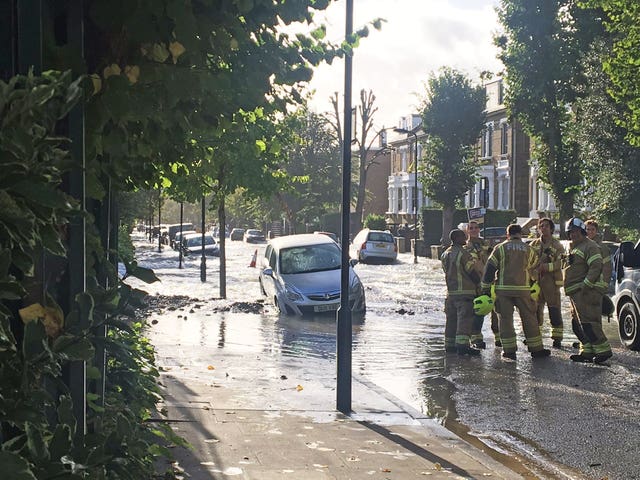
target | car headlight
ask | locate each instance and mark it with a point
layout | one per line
(292, 294)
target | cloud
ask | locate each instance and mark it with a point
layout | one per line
(418, 38)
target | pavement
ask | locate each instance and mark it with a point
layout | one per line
(265, 428)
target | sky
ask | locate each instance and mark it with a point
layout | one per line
(418, 38)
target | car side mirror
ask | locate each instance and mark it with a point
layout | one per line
(268, 272)
(353, 262)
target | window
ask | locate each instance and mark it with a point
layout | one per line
(486, 141)
(504, 139)
(500, 92)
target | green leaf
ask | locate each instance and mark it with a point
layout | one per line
(36, 444)
(85, 304)
(93, 373)
(65, 413)
(34, 342)
(7, 340)
(60, 443)
(144, 274)
(15, 467)
(12, 291)
(73, 348)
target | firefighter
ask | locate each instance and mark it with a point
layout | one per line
(583, 285)
(462, 281)
(480, 249)
(509, 266)
(549, 275)
(607, 267)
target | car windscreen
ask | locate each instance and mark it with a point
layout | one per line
(380, 237)
(254, 232)
(310, 258)
(197, 241)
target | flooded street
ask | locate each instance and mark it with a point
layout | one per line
(556, 418)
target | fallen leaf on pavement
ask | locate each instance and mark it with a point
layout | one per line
(299, 388)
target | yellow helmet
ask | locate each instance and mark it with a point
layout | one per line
(482, 305)
(535, 291)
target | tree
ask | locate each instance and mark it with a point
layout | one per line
(621, 63)
(365, 159)
(611, 165)
(453, 115)
(541, 49)
(312, 161)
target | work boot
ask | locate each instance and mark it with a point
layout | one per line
(602, 357)
(557, 343)
(498, 343)
(581, 358)
(545, 352)
(481, 344)
(450, 349)
(466, 350)
(511, 355)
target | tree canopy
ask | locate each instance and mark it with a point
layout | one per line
(453, 115)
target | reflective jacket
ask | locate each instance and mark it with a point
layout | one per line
(603, 284)
(549, 253)
(480, 249)
(583, 267)
(458, 266)
(509, 266)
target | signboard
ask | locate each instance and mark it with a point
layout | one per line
(477, 214)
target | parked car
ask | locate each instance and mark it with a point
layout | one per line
(494, 235)
(374, 245)
(627, 293)
(192, 245)
(177, 238)
(236, 234)
(300, 274)
(253, 236)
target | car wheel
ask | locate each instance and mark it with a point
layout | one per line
(628, 327)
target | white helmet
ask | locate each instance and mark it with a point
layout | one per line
(575, 222)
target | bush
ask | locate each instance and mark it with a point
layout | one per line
(375, 222)
(126, 250)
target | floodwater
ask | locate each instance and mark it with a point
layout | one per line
(550, 417)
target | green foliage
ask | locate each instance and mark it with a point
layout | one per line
(375, 222)
(311, 162)
(611, 165)
(36, 416)
(541, 49)
(453, 117)
(126, 250)
(622, 19)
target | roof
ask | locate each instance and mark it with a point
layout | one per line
(301, 240)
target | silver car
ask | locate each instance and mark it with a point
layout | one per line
(371, 245)
(300, 274)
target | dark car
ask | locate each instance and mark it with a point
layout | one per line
(236, 234)
(253, 236)
(627, 293)
(494, 235)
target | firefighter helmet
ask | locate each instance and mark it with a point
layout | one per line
(575, 222)
(482, 305)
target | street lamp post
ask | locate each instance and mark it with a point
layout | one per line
(415, 185)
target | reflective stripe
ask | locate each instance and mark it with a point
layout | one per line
(588, 283)
(603, 347)
(533, 342)
(449, 342)
(593, 258)
(586, 348)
